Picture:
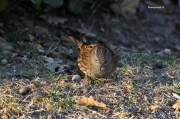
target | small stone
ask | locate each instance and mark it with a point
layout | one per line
(4, 61)
(24, 90)
(160, 54)
(54, 54)
(177, 48)
(2, 32)
(31, 37)
(76, 78)
(160, 64)
(176, 81)
(70, 51)
(167, 51)
(13, 55)
(84, 90)
(50, 60)
(102, 29)
(38, 94)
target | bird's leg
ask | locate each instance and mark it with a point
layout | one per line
(89, 79)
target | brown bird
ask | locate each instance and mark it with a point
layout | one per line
(95, 60)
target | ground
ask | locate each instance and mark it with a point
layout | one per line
(38, 62)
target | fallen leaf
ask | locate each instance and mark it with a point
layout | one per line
(39, 46)
(41, 31)
(91, 102)
(62, 82)
(31, 37)
(129, 86)
(176, 106)
(29, 23)
(154, 107)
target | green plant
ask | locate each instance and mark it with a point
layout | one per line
(3, 5)
(75, 6)
(59, 99)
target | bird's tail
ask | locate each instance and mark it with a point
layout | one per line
(78, 42)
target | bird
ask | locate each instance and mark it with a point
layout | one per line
(95, 60)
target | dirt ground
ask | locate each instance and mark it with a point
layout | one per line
(35, 54)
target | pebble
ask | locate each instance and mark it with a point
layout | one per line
(160, 54)
(4, 61)
(84, 90)
(24, 90)
(167, 51)
(38, 94)
(160, 64)
(76, 78)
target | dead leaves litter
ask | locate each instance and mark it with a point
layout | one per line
(89, 101)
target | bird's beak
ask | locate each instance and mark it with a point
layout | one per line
(101, 66)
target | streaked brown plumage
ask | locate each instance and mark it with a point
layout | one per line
(95, 60)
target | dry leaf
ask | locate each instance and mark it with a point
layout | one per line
(154, 107)
(91, 102)
(62, 82)
(123, 114)
(129, 86)
(39, 46)
(126, 6)
(31, 37)
(41, 31)
(176, 106)
(28, 23)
